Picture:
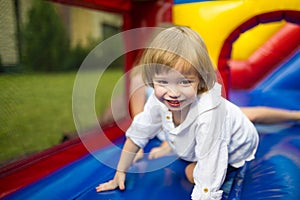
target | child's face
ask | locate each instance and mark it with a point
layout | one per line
(176, 90)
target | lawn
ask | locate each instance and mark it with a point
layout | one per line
(36, 109)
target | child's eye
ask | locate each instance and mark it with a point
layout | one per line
(185, 82)
(161, 82)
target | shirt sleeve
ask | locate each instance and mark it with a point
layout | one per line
(146, 124)
(210, 172)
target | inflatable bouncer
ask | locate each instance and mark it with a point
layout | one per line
(259, 66)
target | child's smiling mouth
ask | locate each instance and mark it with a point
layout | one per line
(173, 103)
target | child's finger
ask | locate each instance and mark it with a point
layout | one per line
(121, 180)
(121, 185)
(106, 186)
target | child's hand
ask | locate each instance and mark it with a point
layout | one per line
(118, 181)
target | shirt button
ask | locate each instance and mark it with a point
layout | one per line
(168, 117)
(205, 190)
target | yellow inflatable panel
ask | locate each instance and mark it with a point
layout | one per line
(251, 40)
(215, 20)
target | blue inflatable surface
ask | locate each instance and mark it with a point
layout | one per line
(275, 173)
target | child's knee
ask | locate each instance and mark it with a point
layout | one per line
(189, 172)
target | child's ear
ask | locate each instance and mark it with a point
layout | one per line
(202, 87)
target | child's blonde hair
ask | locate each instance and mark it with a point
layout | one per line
(178, 44)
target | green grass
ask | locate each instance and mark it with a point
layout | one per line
(36, 109)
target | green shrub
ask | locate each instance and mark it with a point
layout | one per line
(44, 40)
(1, 66)
(78, 53)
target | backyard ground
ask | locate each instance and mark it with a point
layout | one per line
(36, 109)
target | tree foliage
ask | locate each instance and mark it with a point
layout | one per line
(45, 44)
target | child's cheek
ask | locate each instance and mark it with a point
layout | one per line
(159, 92)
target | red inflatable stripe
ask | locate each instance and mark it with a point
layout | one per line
(245, 74)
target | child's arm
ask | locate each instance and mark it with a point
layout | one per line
(127, 156)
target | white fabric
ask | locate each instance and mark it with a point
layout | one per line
(214, 134)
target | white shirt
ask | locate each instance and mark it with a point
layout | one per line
(214, 134)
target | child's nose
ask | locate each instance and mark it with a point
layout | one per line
(173, 92)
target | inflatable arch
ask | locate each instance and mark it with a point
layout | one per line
(221, 22)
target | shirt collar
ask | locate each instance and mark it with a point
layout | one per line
(206, 101)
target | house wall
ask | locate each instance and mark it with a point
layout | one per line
(84, 24)
(8, 44)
